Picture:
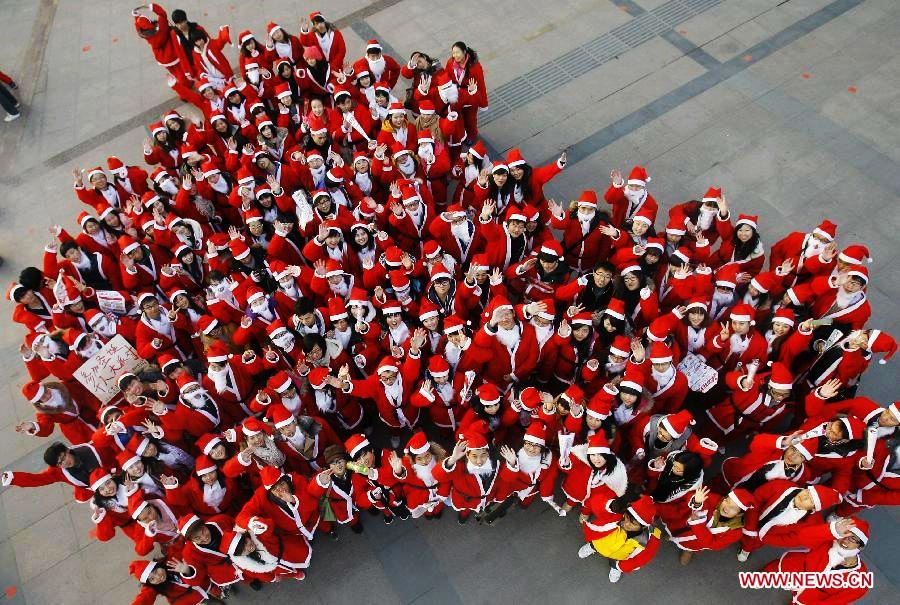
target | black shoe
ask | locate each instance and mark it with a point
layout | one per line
(256, 585)
(357, 528)
(438, 514)
(334, 534)
(389, 520)
(403, 513)
(461, 519)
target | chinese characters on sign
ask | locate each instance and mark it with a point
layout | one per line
(100, 373)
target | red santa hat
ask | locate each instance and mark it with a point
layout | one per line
(156, 127)
(497, 302)
(393, 257)
(597, 444)
(599, 406)
(499, 166)
(698, 303)
(488, 394)
(781, 378)
(643, 510)
(475, 440)
(660, 328)
(275, 328)
(141, 569)
(382, 86)
(514, 214)
(656, 243)
(207, 323)
(743, 312)
(399, 279)
(453, 324)
(584, 318)
(136, 504)
(632, 384)
(827, 230)
(33, 391)
(341, 91)
(549, 312)
(126, 459)
(127, 244)
(438, 366)
(252, 426)
(426, 108)
(530, 398)
(621, 346)
(84, 217)
(336, 309)
(743, 498)
(860, 530)
(588, 198)
(358, 296)
(355, 444)
(281, 381)
(391, 305)
(317, 125)
(823, 497)
(855, 254)
(418, 444)
(271, 28)
(270, 476)
(425, 136)
(676, 424)
(536, 434)
(185, 523)
(204, 465)
(855, 427)
(573, 394)
(440, 271)
(207, 442)
(278, 268)
(551, 248)
(318, 377)
(396, 108)
(184, 381)
(749, 220)
(217, 352)
(387, 364)
(882, 342)
(638, 176)
(727, 276)
(860, 271)
(428, 309)
(660, 353)
(478, 149)
(785, 316)
(674, 227)
(643, 216)
(280, 416)
(431, 249)
(98, 477)
(764, 281)
(313, 53)
(514, 158)
(616, 308)
(712, 195)
(239, 249)
(74, 337)
(333, 268)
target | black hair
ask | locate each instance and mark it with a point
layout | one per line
(179, 16)
(53, 452)
(433, 64)
(469, 52)
(304, 306)
(669, 483)
(312, 340)
(743, 250)
(632, 494)
(352, 240)
(31, 278)
(198, 34)
(66, 246)
(284, 217)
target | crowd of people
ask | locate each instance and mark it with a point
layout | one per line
(350, 311)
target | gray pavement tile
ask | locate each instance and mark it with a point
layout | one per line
(25, 507)
(65, 583)
(43, 544)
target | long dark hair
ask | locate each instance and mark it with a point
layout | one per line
(611, 462)
(743, 250)
(434, 65)
(669, 482)
(525, 182)
(468, 51)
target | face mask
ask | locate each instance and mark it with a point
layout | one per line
(253, 75)
(169, 187)
(92, 349)
(259, 307)
(197, 398)
(634, 196)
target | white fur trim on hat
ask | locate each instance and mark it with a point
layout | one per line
(360, 446)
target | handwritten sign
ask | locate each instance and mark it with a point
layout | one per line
(100, 373)
(701, 377)
(111, 301)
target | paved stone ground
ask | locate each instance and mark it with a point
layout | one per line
(791, 106)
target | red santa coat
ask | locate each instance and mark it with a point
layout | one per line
(444, 412)
(518, 362)
(176, 593)
(468, 493)
(332, 46)
(210, 562)
(669, 397)
(728, 356)
(582, 251)
(176, 342)
(603, 521)
(395, 414)
(285, 554)
(819, 559)
(527, 485)
(615, 197)
(190, 495)
(55, 474)
(820, 295)
(765, 455)
(300, 521)
(341, 501)
(580, 480)
(750, 409)
(703, 533)
(94, 198)
(420, 498)
(764, 528)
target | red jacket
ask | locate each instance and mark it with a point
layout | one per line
(394, 414)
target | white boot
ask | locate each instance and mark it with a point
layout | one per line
(12, 116)
(614, 575)
(743, 556)
(586, 551)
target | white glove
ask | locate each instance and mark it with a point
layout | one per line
(6, 478)
(256, 526)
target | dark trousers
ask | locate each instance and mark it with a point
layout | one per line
(7, 100)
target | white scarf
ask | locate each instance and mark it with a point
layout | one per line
(162, 325)
(663, 378)
(696, 338)
(400, 334)
(394, 392)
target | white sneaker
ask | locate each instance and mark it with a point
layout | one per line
(743, 556)
(10, 117)
(614, 575)
(586, 551)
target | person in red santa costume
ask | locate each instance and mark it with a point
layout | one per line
(785, 514)
(840, 298)
(512, 344)
(441, 394)
(589, 466)
(415, 471)
(53, 407)
(74, 465)
(264, 554)
(534, 475)
(375, 484)
(716, 522)
(205, 553)
(830, 549)
(770, 457)
(668, 384)
(659, 435)
(626, 198)
(471, 485)
(162, 577)
(621, 530)
(334, 487)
